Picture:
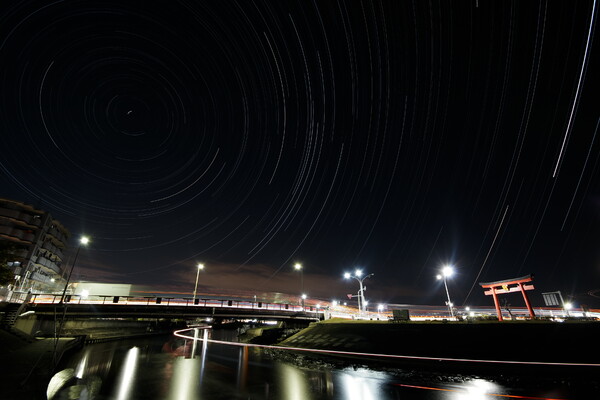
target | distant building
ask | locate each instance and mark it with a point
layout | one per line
(40, 241)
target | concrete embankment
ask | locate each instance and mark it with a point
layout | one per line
(568, 342)
(28, 363)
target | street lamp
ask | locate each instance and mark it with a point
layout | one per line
(303, 297)
(447, 271)
(567, 306)
(361, 295)
(298, 267)
(199, 267)
(83, 241)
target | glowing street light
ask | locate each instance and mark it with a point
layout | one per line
(303, 297)
(447, 271)
(198, 268)
(83, 241)
(567, 306)
(361, 295)
(298, 267)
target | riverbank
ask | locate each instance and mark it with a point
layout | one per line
(429, 343)
(30, 362)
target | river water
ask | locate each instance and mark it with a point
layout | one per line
(168, 368)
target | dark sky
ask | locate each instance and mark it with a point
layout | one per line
(249, 135)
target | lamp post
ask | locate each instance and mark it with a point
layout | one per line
(298, 267)
(303, 297)
(361, 295)
(83, 241)
(447, 271)
(198, 268)
(567, 306)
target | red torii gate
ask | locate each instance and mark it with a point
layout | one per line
(501, 287)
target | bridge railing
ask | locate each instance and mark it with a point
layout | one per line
(159, 301)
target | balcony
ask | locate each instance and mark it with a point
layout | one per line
(17, 216)
(48, 264)
(5, 212)
(16, 233)
(40, 277)
(58, 235)
(56, 251)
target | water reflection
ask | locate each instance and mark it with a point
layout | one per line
(184, 384)
(478, 389)
(174, 368)
(361, 385)
(293, 382)
(127, 374)
(82, 364)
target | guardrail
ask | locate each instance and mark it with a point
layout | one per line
(160, 301)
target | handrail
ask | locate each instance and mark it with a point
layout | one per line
(160, 301)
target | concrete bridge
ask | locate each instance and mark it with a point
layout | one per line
(172, 310)
(36, 312)
(41, 308)
(40, 314)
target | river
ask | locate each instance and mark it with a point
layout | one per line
(163, 368)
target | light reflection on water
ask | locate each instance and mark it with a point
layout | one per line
(360, 386)
(177, 369)
(184, 384)
(127, 374)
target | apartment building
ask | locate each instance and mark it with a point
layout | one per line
(40, 241)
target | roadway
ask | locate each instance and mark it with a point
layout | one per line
(230, 307)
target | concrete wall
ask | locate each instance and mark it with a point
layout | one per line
(32, 325)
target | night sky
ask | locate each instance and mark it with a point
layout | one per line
(395, 136)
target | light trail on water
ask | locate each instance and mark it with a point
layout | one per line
(511, 396)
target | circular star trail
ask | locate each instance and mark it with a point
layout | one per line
(395, 136)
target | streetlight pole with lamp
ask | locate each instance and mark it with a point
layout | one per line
(447, 271)
(361, 293)
(83, 241)
(298, 267)
(198, 268)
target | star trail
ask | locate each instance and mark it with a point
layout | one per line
(395, 136)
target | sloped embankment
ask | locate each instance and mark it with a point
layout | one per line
(509, 341)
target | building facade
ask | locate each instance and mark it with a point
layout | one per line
(40, 242)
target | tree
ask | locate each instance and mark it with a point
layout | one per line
(7, 251)
(506, 306)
